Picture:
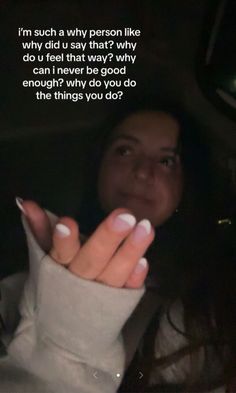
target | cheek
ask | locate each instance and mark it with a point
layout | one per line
(168, 197)
(113, 172)
(109, 179)
(177, 187)
(108, 176)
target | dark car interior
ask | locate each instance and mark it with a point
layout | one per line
(185, 54)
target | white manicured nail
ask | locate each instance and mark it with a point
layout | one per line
(62, 230)
(19, 204)
(142, 230)
(123, 222)
(146, 225)
(141, 266)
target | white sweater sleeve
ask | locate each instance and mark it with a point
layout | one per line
(70, 331)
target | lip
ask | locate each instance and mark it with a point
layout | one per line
(136, 196)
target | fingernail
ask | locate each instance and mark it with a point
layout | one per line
(141, 266)
(62, 230)
(142, 230)
(123, 222)
(19, 204)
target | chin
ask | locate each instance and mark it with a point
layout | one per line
(140, 214)
(155, 220)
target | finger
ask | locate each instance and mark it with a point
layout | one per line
(137, 277)
(100, 247)
(38, 222)
(127, 256)
(65, 241)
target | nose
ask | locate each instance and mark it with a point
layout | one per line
(144, 169)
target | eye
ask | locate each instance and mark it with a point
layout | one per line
(123, 151)
(169, 161)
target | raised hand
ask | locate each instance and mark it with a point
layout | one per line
(112, 255)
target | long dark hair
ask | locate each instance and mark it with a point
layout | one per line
(189, 259)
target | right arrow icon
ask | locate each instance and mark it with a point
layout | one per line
(140, 375)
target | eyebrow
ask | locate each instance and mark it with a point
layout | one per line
(126, 137)
(174, 150)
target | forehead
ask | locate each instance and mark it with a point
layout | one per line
(153, 127)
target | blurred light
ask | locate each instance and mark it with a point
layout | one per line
(233, 85)
(224, 221)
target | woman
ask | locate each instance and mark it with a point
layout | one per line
(147, 173)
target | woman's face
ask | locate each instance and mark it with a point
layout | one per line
(141, 169)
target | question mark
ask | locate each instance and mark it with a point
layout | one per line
(111, 43)
(61, 80)
(120, 93)
(110, 55)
